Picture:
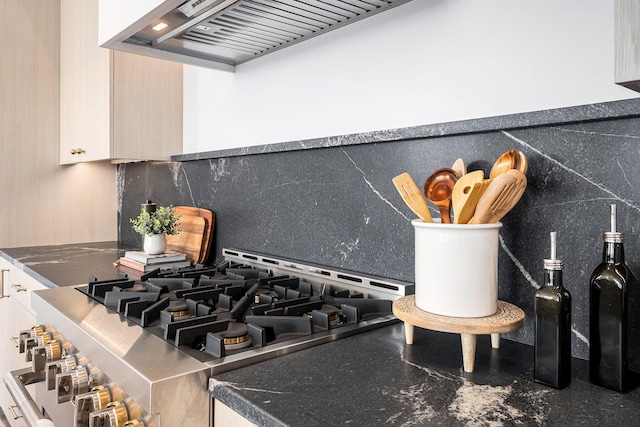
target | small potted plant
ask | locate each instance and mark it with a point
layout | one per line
(154, 226)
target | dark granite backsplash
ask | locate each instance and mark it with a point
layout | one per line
(331, 201)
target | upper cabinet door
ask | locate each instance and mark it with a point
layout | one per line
(627, 43)
(113, 106)
(85, 83)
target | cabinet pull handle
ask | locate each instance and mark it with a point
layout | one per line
(15, 341)
(2, 295)
(18, 287)
(77, 151)
(13, 412)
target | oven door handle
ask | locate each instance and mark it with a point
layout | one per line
(14, 382)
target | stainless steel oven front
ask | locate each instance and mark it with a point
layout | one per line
(91, 367)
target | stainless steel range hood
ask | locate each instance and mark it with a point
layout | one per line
(224, 33)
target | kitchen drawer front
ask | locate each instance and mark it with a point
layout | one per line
(20, 288)
(20, 319)
(13, 318)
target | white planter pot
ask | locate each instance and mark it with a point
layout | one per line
(155, 245)
(457, 268)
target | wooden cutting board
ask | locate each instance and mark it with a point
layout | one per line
(189, 241)
(210, 223)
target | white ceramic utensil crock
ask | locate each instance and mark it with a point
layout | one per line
(456, 268)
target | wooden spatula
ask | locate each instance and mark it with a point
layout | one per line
(459, 167)
(465, 196)
(412, 196)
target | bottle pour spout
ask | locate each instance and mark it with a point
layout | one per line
(553, 263)
(614, 218)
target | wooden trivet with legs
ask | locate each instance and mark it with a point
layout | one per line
(507, 318)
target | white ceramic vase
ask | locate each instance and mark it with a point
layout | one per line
(156, 244)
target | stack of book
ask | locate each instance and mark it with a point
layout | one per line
(144, 262)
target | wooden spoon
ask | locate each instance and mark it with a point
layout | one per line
(523, 164)
(412, 196)
(438, 188)
(506, 161)
(500, 197)
(459, 167)
(465, 196)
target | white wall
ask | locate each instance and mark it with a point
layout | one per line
(428, 61)
(118, 14)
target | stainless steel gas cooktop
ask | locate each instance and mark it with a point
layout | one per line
(159, 338)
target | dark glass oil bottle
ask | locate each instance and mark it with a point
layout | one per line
(552, 354)
(609, 314)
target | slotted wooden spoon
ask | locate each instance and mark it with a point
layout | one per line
(412, 196)
(500, 197)
(514, 197)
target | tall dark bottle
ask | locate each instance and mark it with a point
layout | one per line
(552, 354)
(611, 283)
(149, 207)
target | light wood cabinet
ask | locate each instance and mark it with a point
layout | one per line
(113, 105)
(225, 416)
(43, 203)
(627, 43)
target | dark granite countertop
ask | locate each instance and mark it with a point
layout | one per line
(67, 265)
(376, 379)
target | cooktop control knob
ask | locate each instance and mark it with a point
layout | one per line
(38, 341)
(77, 381)
(98, 398)
(48, 352)
(65, 364)
(29, 333)
(116, 414)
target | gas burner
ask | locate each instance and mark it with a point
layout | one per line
(265, 295)
(335, 318)
(236, 336)
(178, 309)
(332, 316)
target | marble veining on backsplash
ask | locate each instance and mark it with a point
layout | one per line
(599, 186)
(331, 201)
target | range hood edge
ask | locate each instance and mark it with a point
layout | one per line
(242, 30)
